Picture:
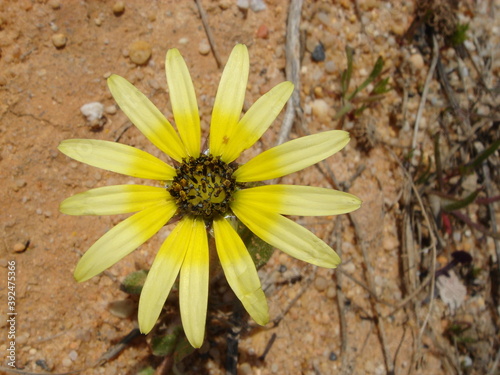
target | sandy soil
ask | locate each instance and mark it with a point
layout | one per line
(55, 57)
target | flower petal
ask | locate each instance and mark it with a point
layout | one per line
(292, 156)
(229, 99)
(163, 274)
(299, 200)
(240, 271)
(113, 200)
(123, 239)
(183, 99)
(193, 285)
(117, 157)
(148, 119)
(257, 120)
(285, 235)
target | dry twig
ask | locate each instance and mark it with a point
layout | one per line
(423, 99)
(293, 107)
(208, 31)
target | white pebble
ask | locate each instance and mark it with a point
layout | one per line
(204, 47)
(110, 109)
(257, 5)
(73, 355)
(92, 111)
(330, 67)
(320, 110)
(66, 362)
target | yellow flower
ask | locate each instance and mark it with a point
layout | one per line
(204, 189)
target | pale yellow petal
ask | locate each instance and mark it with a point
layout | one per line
(240, 271)
(299, 200)
(183, 99)
(229, 99)
(148, 119)
(256, 120)
(113, 200)
(292, 156)
(286, 235)
(163, 274)
(123, 239)
(193, 285)
(117, 157)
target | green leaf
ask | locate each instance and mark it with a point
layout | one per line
(259, 250)
(163, 345)
(183, 349)
(377, 69)
(461, 203)
(466, 169)
(133, 283)
(343, 111)
(346, 74)
(381, 87)
(146, 371)
(459, 35)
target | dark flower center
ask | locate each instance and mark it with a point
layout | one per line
(203, 187)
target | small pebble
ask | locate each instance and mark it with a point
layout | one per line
(324, 18)
(225, 4)
(154, 84)
(243, 4)
(43, 364)
(331, 292)
(59, 40)
(204, 47)
(417, 61)
(319, 53)
(245, 369)
(257, 5)
(349, 267)
(55, 4)
(20, 183)
(320, 109)
(123, 308)
(110, 109)
(332, 356)
(140, 52)
(330, 67)
(73, 355)
(262, 32)
(92, 111)
(320, 283)
(66, 362)
(19, 247)
(118, 8)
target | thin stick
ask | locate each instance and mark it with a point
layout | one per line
(208, 31)
(293, 107)
(344, 369)
(423, 99)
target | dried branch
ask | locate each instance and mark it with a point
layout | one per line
(208, 31)
(293, 107)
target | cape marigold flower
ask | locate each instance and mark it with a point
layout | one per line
(204, 189)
